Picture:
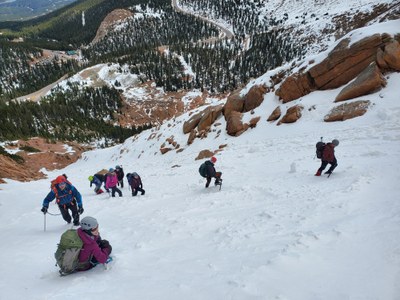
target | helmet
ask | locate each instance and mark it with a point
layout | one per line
(335, 142)
(117, 167)
(213, 159)
(89, 223)
(110, 170)
(90, 178)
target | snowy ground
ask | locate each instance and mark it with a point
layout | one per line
(274, 231)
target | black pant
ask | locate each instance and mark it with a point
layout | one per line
(121, 183)
(65, 213)
(136, 190)
(324, 163)
(217, 179)
(115, 189)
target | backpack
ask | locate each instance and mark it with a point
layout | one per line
(203, 170)
(320, 146)
(67, 254)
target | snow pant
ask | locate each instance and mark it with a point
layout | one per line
(115, 189)
(121, 183)
(324, 163)
(136, 190)
(65, 213)
(217, 179)
(97, 188)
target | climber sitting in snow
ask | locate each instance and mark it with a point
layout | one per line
(94, 250)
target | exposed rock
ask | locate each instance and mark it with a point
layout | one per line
(234, 123)
(275, 115)
(341, 66)
(253, 122)
(192, 123)
(211, 113)
(391, 55)
(344, 63)
(254, 97)
(292, 114)
(51, 156)
(347, 111)
(370, 80)
(165, 150)
(204, 154)
(192, 136)
(295, 86)
(203, 119)
(117, 15)
(380, 61)
(234, 103)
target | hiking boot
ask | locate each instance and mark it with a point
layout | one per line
(143, 193)
(318, 173)
(328, 172)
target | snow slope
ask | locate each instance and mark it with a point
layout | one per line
(274, 231)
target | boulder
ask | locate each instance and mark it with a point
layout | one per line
(204, 154)
(253, 122)
(210, 114)
(292, 114)
(275, 115)
(391, 55)
(192, 136)
(295, 86)
(234, 123)
(235, 102)
(165, 150)
(254, 97)
(345, 62)
(370, 80)
(347, 111)
(192, 123)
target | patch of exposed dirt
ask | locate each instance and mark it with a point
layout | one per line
(52, 156)
(113, 18)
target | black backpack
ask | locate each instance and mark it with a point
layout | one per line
(203, 170)
(320, 149)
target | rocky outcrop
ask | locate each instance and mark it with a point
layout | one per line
(203, 119)
(292, 114)
(254, 97)
(370, 80)
(234, 124)
(391, 55)
(275, 115)
(345, 62)
(50, 156)
(235, 102)
(347, 111)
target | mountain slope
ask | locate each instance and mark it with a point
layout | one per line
(274, 231)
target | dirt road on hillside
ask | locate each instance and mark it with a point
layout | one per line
(224, 31)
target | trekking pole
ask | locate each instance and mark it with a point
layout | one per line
(44, 225)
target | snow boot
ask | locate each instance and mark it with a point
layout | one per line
(318, 173)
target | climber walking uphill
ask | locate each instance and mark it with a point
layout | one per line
(120, 175)
(208, 171)
(328, 157)
(135, 182)
(111, 182)
(97, 180)
(67, 198)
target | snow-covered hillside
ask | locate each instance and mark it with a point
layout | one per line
(274, 231)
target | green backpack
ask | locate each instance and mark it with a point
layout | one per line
(67, 254)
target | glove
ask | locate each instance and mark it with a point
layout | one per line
(44, 209)
(104, 244)
(80, 210)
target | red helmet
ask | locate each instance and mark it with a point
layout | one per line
(213, 159)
